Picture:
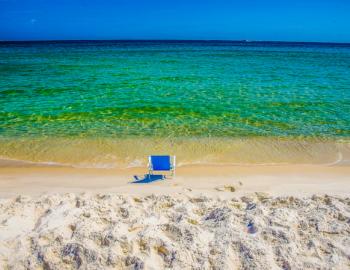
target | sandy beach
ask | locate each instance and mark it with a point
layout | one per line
(207, 217)
(19, 178)
(245, 104)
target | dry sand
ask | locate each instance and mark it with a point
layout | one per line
(253, 217)
(21, 179)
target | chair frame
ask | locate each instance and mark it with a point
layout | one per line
(172, 166)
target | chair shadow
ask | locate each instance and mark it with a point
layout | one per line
(148, 178)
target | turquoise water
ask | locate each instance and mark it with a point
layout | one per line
(167, 89)
(120, 90)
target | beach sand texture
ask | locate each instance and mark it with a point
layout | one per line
(110, 231)
(209, 217)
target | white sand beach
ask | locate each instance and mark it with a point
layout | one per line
(208, 217)
(18, 178)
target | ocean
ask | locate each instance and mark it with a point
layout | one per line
(111, 103)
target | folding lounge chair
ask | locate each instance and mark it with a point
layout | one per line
(161, 163)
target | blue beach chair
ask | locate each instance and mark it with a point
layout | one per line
(161, 163)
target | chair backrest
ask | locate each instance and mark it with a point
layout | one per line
(160, 163)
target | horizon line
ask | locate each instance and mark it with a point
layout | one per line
(175, 40)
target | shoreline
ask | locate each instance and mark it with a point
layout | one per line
(112, 153)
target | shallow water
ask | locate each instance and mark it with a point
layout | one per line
(133, 152)
(103, 103)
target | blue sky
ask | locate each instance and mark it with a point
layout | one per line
(298, 20)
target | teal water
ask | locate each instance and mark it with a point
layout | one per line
(174, 89)
(121, 90)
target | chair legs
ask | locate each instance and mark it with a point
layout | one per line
(172, 175)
